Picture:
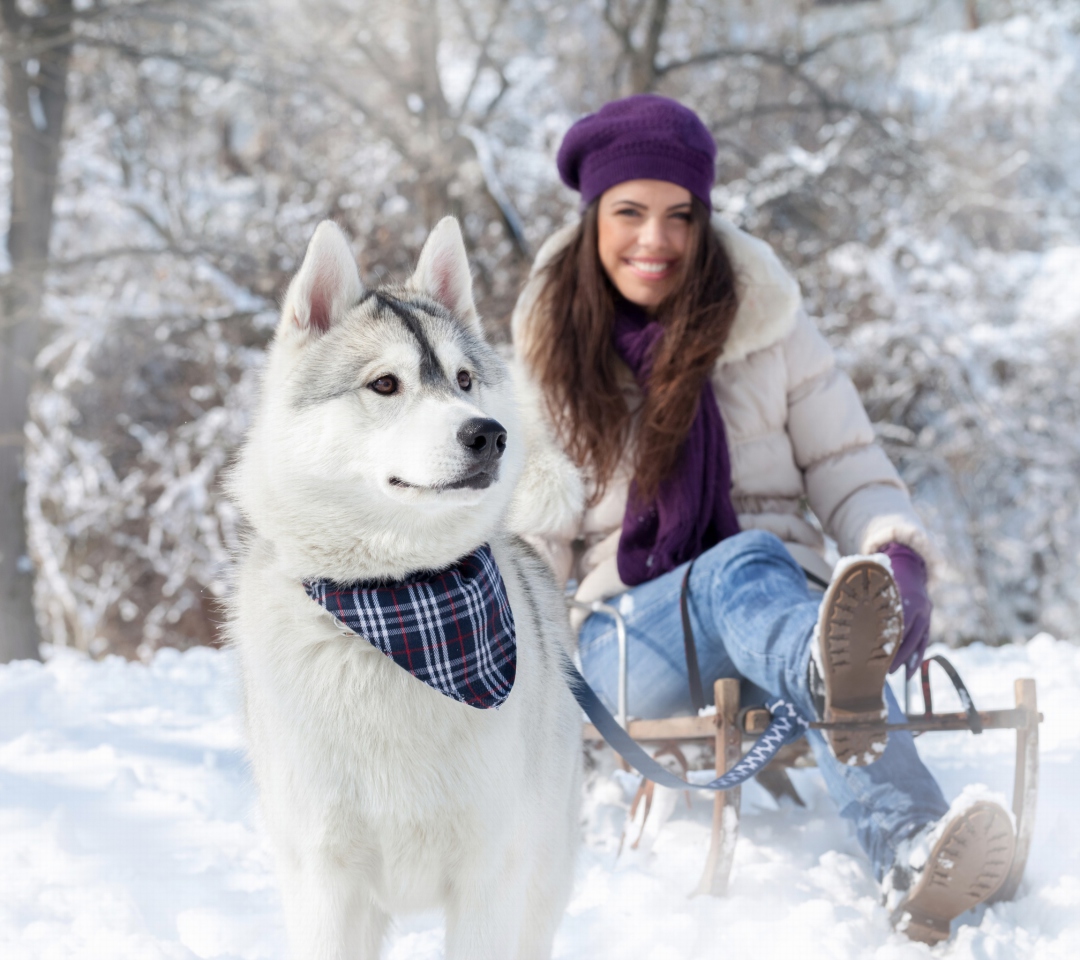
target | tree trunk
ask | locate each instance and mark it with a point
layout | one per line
(37, 55)
(643, 72)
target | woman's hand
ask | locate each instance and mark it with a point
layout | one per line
(909, 572)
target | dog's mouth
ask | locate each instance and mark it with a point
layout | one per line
(477, 480)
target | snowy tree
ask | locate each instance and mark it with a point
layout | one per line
(911, 160)
(36, 53)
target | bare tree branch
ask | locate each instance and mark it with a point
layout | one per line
(790, 57)
(621, 30)
(379, 119)
(829, 104)
(496, 190)
(641, 60)
(751, 113)
(483, 58)
(504, 85)
(644, 66)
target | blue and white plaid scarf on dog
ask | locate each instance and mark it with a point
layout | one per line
(452, 629)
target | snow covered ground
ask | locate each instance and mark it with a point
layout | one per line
(129, 831)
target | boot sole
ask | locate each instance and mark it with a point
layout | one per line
(861, 627)
(968, 865)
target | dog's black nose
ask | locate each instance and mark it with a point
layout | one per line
(483, 437)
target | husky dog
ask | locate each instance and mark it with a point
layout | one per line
(387, 442)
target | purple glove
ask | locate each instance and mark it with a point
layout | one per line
(909, 572)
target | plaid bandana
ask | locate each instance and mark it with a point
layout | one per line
(453, 629)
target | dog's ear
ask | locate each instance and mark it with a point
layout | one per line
(443, 271)
(327, 284)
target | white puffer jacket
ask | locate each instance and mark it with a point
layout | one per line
(796, 431)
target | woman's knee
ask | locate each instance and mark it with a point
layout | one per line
(748, 547)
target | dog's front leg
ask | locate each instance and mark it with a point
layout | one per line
(328, 915)
(484, 919)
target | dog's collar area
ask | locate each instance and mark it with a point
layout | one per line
(452, 629)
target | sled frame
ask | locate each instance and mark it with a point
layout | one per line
(731, 725)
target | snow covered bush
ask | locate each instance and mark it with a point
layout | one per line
(936, 237)
(967, 358)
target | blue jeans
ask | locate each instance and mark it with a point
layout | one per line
(753, 619)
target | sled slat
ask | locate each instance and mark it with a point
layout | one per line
(754, 723)
(1025, 785)
(940, 722)
(672, 728)
(725, 828)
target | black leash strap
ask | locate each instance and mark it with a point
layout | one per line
(974, 722)
(786, 725)
(693, 672)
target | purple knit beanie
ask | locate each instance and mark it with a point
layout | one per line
(643, 137)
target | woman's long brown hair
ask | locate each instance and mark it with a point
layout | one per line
(582, 377)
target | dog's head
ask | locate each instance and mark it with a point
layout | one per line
(386, 439)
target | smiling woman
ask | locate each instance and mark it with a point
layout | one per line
(705, 412)
(644, 249)
(643, 229)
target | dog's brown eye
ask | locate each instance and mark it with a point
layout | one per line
(385, 385)
(464, 380)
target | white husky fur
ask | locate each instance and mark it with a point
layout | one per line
(381, 794)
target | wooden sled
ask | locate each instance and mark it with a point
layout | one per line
(730, 726)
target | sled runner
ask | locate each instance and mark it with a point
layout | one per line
(730, 726)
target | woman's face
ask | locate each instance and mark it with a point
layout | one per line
(643, 229)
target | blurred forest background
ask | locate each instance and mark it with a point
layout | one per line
(163, 163)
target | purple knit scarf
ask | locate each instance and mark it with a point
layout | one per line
(692, 510)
